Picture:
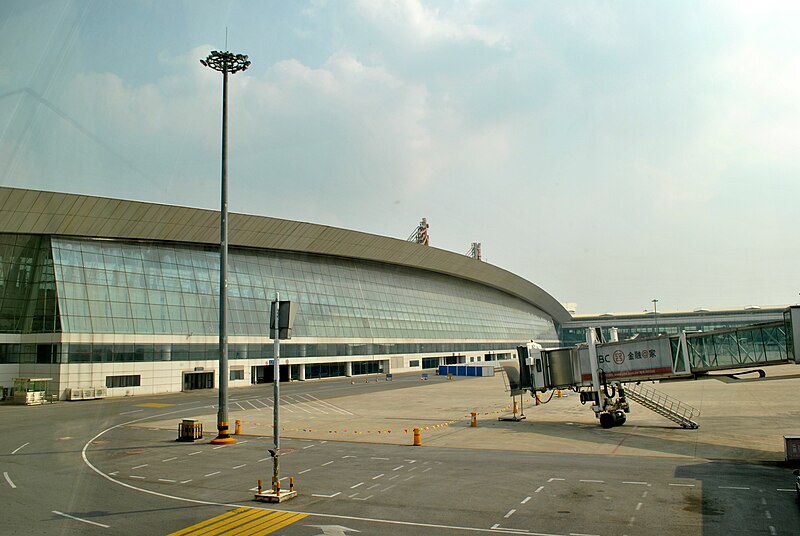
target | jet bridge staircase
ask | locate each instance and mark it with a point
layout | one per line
(664, 405)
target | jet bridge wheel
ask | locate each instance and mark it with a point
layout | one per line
(607, 420)
(619, 418)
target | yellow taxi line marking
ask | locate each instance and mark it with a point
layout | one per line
(273, 523)
(237, 521)
(216, 519)
(152, 405)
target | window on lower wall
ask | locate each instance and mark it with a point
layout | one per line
(237, 374)
(414, 363)
(134, 380)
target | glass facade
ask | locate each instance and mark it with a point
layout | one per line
(82, 286)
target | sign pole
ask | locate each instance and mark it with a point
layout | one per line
(276, 466)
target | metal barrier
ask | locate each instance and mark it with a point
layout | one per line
(190, 430)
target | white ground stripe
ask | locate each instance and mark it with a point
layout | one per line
(79, 519)
(309, 400)
(8, 479)
(19, 448)
(254, 406)
(299, 405)
(240, 406)
(331, 406)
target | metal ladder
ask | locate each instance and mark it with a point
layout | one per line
(672, 409)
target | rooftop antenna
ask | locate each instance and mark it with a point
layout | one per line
(226, 38)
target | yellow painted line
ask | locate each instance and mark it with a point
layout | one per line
(242, 522)
(207, 522)
(153, 405)
(272, 524)
(228, 525)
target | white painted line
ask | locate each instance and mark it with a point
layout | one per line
(631, 520)
(186, 481)
(137, 477)
(638, 507)
(19, 448)
(166, 480)
(763, 501)
(326, 463)
(427, 469)
(170, 459)
(393, 477)
(373, 486)
(683, 485)
(732, 487)
(139, 466)
(644, 494)
(525, 500)
(212, 474)
(510, 513)
(115, 473)
(348, 456)
(377, 477)
(195, 452)
(772, 530)
(540, 488)
(8, 479)
(308, 447)
(254, 406)
(594, 481)
(129, 412)
(304, 471)
(264, 459)
(407, 479)
(637, 483)
(768, 514)
(359, 484)
(81, 520)
(239, 442)
(398, 467)
(784, 489)
(240, 466)
(240, 406)
(363, 498)
(374, 458)
(326, 496)
(552, 479)
(410, 461)
(220, 447)
(387, 488)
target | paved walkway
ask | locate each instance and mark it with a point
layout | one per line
(739, 419)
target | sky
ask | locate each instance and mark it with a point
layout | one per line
(610, 152)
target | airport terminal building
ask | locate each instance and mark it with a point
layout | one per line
(123, 296)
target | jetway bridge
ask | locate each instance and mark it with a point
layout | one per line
(608, 373)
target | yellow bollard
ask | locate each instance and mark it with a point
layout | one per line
(291, 483)
(277, 487)
(558, 393)
(474, 421)
(259, 486)
(449, 376)
(238, 427)
(515, 407)
(538, 400)
(417, 438)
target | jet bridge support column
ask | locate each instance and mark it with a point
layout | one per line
(591, 340)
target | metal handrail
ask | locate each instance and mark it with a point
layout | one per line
(665, 401)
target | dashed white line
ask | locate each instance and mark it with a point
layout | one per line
(136, 477)
(540, 488)
(8, 479)
(387, 488)
(186, 481)
(20, 448)
(772, 530)
(374, 458)
(326, 496)
(303, 471)
(115, 473)
(427, 469)
(638, 507)
(166, 480)
(377, 477)
(594, 481)
(393, 477)
(683, 485)
(552, 479)
(264, 459)
(240, 466)
(195, 452)
(768, 514)
(326, 463)
(373, 486)
(525, 500)
(219, 447)
(139, 466)
(368, 497)
(497, 526)
(79, 519)
(409, 478)
(308, 447)
(632, 519)
(510, 513)
(398, 467)
(413, 469)
(637, 483)
(357, 485)
(170, 459)
(212, 474)
(733, 487)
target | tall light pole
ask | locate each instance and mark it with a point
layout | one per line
(655, 314)
(224, 62)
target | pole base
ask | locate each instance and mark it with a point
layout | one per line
(223, 437)
(515, 418)
(273, 497)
